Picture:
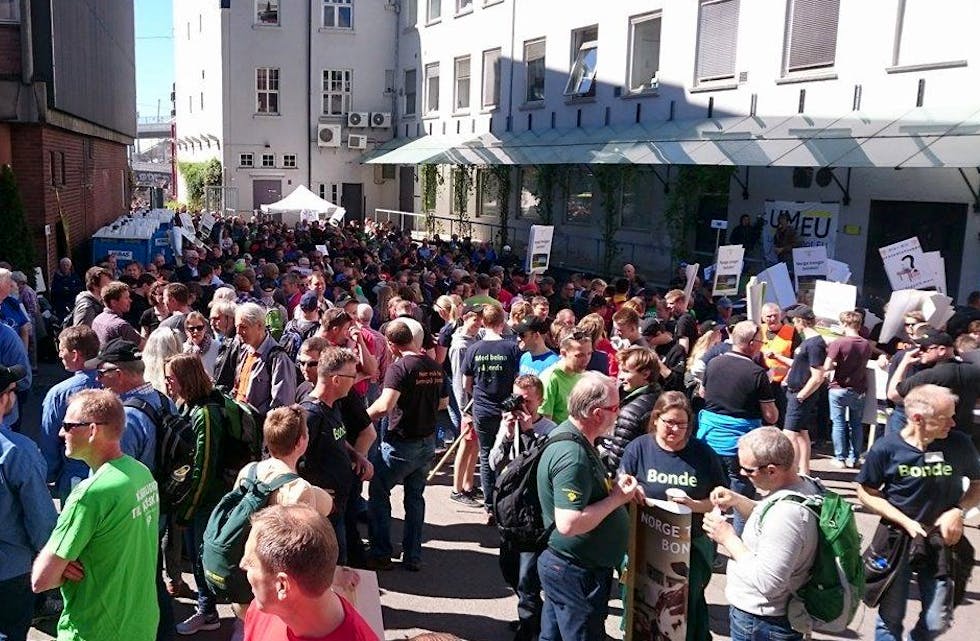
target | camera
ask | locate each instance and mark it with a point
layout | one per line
(512, 403)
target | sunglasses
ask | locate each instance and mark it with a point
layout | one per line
(68, 425)
(105, 372)
(194, 328)
(306, 363)
(749, 471)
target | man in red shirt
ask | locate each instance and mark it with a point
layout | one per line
(290, 559)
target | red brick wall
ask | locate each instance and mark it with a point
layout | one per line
(9, 49)
(91, 191)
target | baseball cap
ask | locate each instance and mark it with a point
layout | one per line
(472, 309)
(930, 336)
(651, 327)
(724, 302)
(308, 302)
(10, 375)
(268, 285)
(532, 324)
(118, 350)
(800, 311)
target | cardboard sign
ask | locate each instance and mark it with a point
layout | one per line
(937, 265)
(729, 268)
(186, 220)
(838, 272)
(755, 296)
(337, 217)
(39, 281)
(815, 224)
(659, 566)
(323, 250)
(779, 289)
(207, 222)
(936, 308)
(809, 266)
(906, 265)
(830, 299)
(719, 224)
(539, 248)
(690, 275)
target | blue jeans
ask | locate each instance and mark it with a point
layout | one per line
(520, 571)
(193, 540)
(846, 412)
(486, 433)
(933, 593)
(16, 607)
(451, 432)
(896, 420)
(405, 462)
(752, 627)
(576, 599)
(740, 484)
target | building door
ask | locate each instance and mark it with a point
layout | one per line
(406, 188)
(939, 226)
(352, 199)
(266, 191)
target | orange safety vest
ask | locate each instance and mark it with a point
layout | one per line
(782, 344)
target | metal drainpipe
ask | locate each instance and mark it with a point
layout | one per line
(510, 79)
(26, 44)
(309, 95)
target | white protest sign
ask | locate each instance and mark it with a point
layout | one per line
(729, 268)
(779, 289)
(937, 265)
(809, 265)
(755, 296)
(815, 224)
(690, 274)
(207, 222)
(837, 271)
(186, 220)
(906, 266)
(830, 299)
(39, 281)
(539, 248)
(936, 308)
(366, 598)
(323, 250)
(337, 216)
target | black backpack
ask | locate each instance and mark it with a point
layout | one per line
(176, 445)
(516, 506)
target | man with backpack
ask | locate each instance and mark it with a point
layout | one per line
(299, 329)
(265, 377)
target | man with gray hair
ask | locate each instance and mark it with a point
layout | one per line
(772, 558)
(265, 376)
(584, 508)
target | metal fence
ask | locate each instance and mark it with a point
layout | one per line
(446, 226)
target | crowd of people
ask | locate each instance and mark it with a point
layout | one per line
(346, 359)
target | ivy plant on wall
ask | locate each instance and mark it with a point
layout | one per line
(693, 182)
(611, 180)
(503, 186)
(431, 179)
(462, 177)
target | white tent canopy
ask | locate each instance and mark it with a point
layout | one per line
(303, 203)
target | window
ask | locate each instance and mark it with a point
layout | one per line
(267, 90)
(644, 57)
(61, 158)
(488, 188)
(717, 39)
(246, 160)
(464, 6)
(268, 160)
(811, 34)
(338, 14)
(53, 168)
(9, 10)
(411, 91)
(534, 65)
(918, 24)
(578, 196)
(431, 88)
(289, 161)
(529, 202)
(491, 78)
(321, 190)
(411, 10)
(433, 10)
(336, 91)
(267, 12)
(461, 82)
(585, 55)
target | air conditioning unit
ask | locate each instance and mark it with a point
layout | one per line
(381, 120)
(357, 141)
(328, 135)
(358, 119)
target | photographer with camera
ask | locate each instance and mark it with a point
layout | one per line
(521, 427)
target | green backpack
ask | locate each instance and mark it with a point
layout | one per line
(227, 531)
(835, 587)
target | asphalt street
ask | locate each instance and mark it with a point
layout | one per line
(459, 588)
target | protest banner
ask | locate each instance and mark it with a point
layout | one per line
(809, 266)
(539, 248)
(830, 299)
(659, 566)
(690, 275)
(186, 220)
(837, 271)
(207, 222)
(935, 263)
(779, 289)
(936, 307)
(815, 224)
(728, 269)
(755, 295)
(906, 266)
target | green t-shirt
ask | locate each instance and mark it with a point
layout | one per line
(110, 525)
(558, 386)
(571, 476)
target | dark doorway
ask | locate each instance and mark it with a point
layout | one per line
(939, 226)
(265, 192)
(352, 199)
(406, 189)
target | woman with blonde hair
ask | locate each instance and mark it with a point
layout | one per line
(161, 344)
(595, 326)
(381, 311)
(519, 311)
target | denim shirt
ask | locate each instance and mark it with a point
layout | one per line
(27, 514)
(13, 352)
(139, 439)
(62, 471)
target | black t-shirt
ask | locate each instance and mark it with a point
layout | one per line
(418, 378)
(696, 469)
(326, 463)
(494, 365)
(734, 385)
(960, 377)
(922, 485)
(353, 413)
(812, 352)
(687, 326)
(445, 339)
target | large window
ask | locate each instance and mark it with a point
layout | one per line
(336, 91)
(488, 188)
(461, 83)
(638, 199)
(529, 202)
(811, 34)
(585, 57)
(578, 196)
(431, 88)
(267, 90)
(464, 6)
(338, 14)
(921, 21)
(411, 91)
(491, 78)
(717, 40)
(267, 12)
(433, 10)
(644, 56)
(535, 70)
(410, 9)
(9, 10)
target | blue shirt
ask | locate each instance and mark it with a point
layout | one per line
(13, 352)
(27, 514)
(531, 364)
(62, 471)
(139, 439)
(12, 313)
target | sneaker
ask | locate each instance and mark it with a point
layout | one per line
(412, 566)
(197, 622)
(491, 519)
(838, 464)
(180, 589)
(477, 493)
(378, 563)
(465, 499)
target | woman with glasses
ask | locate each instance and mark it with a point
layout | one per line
(189, 385)
(667, 458)
(200, 339)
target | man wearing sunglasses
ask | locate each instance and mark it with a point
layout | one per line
(27, 515)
